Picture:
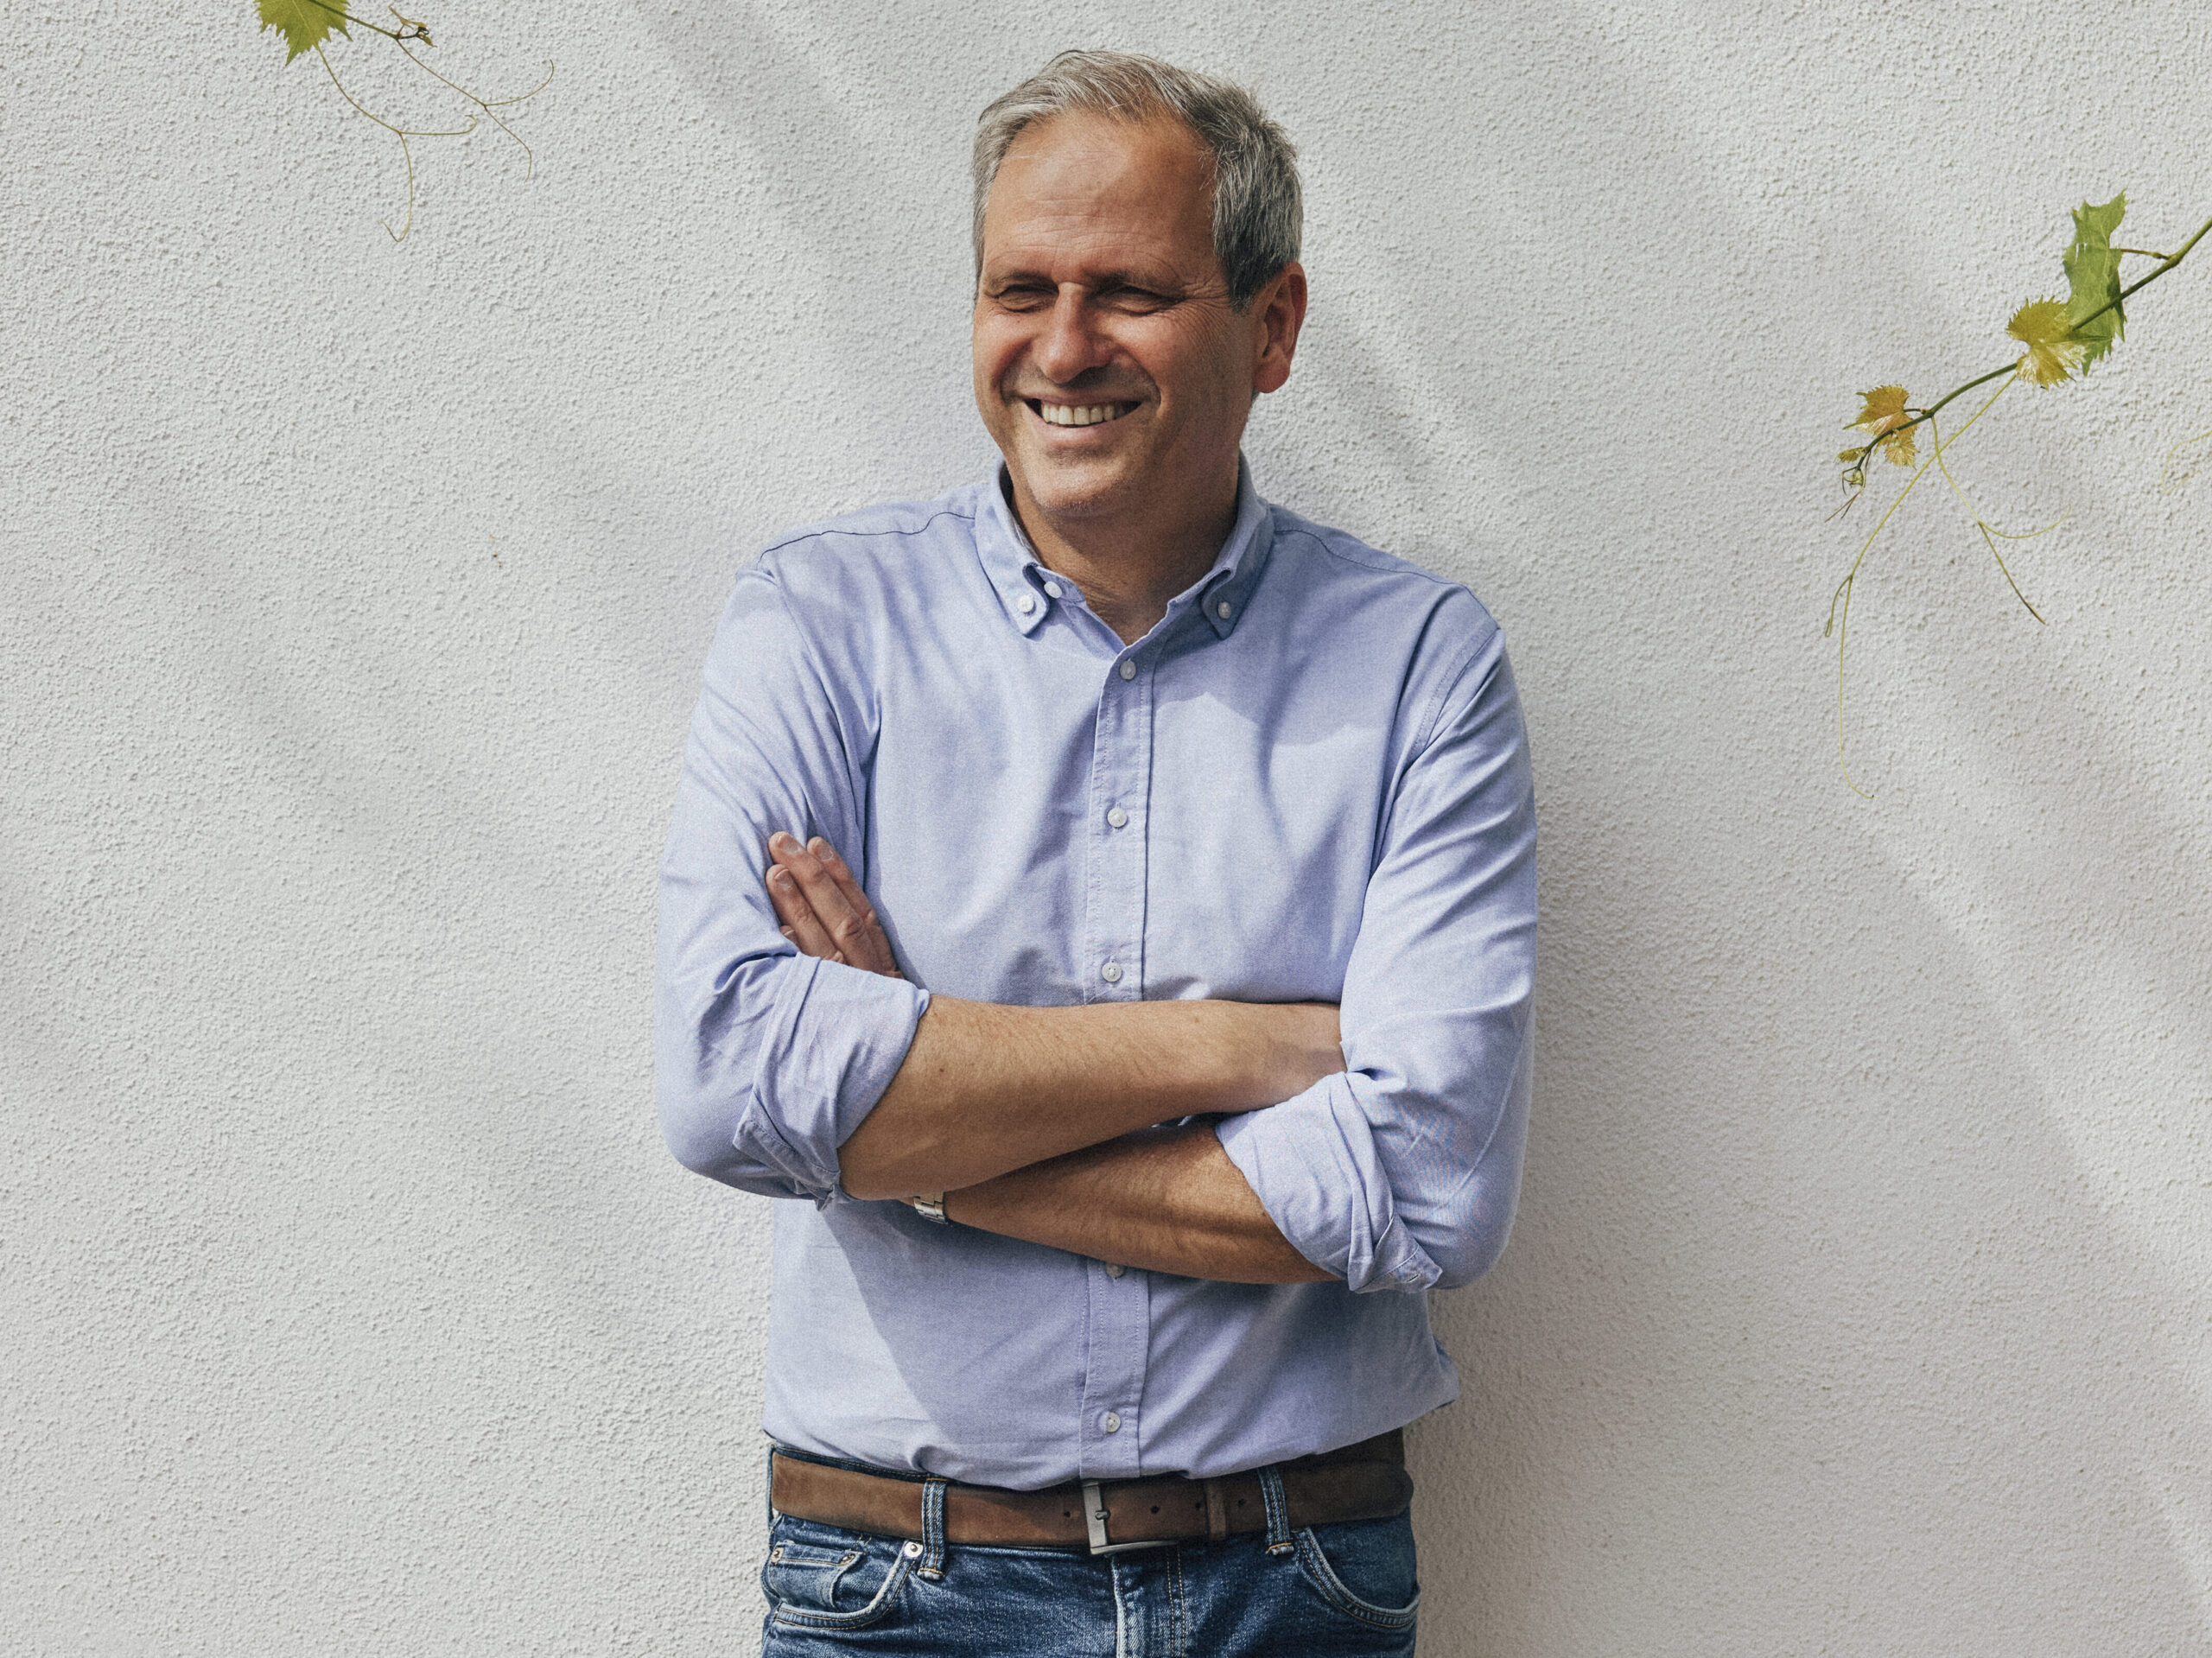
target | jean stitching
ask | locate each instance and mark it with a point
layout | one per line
(1278, 1508)
(1324, 1578)
(1178, 1615)
(931, 1568)
(799, 1616)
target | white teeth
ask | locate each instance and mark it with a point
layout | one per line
(1059, 414)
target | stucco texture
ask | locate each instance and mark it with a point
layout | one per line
(348, 1301)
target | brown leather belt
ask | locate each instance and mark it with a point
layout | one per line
(1367, 1481)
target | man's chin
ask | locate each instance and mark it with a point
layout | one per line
(1073, 486)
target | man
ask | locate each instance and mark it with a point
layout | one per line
(1083, 799)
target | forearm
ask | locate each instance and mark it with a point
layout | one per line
(1168, 1202)
(987, 1089)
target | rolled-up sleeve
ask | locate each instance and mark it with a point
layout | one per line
(766, 1061)
(1402, 1171)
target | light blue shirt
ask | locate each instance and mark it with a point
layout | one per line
(1309, 782)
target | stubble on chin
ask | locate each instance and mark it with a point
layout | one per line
(1076, 491)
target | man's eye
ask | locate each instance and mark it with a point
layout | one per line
(1134, 299)
(1021, 299)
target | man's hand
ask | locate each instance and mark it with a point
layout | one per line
(822, 907)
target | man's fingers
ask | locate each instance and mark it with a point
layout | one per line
(869, 946)
(821, 893)
(832, 917)
(801, 925)
(842, 875)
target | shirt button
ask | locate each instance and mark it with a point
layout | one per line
(1225, 610)
(1026, 603)
(1051, 589)
(1113, 1271)
(1128, 670)
(1111, 973)
(1110, 1422)
(1118, 818)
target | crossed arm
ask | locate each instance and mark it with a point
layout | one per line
(1044, 1123)
(784, 1067)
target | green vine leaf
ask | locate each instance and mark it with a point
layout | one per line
(305, 24)
(2092, 275)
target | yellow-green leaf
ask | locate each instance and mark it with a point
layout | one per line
(2054, 350)
(1884, 413)
(304, 23)
(2093, 276)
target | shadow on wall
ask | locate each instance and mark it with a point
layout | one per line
(1794, 1348)
(830, 135)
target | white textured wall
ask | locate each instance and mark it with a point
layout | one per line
(348, 1303)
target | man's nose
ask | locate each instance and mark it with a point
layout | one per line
(1071, 342)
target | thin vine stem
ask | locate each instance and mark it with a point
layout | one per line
(403, 134)
(489, 106)
(2167, 482)
(1840, 624)
(408, 29)
(1988, 533)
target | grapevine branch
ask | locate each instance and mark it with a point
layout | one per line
(1919, 417)
(2063, 341)
(308, 24)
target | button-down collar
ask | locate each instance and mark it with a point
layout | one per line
(1026, 587)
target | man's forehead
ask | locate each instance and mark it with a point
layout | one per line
(1075, 249)
(1100, 192)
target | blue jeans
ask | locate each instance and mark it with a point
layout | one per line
(1327, 1591)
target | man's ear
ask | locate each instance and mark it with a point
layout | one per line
(1281, 306)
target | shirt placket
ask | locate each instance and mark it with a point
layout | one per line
(1118, 1319)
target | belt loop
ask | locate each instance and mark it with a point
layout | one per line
(933, 1565)
(1279, 1538)
(1216, 1512)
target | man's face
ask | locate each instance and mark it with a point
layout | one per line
(1110, 364)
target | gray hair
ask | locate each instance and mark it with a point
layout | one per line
(1258, 211)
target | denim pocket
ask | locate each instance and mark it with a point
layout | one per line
(819, 1578)
(1364, 1568)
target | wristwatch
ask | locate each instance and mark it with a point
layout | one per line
(929, 1206)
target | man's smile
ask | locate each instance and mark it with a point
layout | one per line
(1076, 414)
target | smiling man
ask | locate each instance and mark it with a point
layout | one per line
(1108, 900)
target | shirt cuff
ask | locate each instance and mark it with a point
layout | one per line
(1312, 1164)
(836, 1039)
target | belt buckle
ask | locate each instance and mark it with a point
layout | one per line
(1094, 1520)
